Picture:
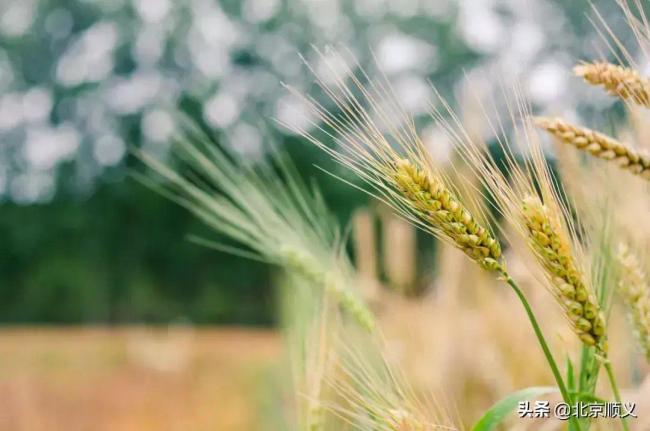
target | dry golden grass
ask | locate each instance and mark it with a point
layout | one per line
(132, 379)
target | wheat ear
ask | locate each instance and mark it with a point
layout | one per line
(634, 289)
(269, 211)
(439, 207)
(546, 237)
(598, 145)
(332, 282)
(623, 82)
(377, 396)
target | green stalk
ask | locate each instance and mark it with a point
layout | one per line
(589, 369)
(573, 421)
(617, 394)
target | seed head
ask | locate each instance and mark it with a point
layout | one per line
(634, 289)
(547, 239)
(439, 208)
(598, 145)
(618, 81)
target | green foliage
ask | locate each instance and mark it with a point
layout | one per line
(120, 256)
(107, 250)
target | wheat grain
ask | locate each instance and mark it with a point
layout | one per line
(599, 145)
(634, 289)
(553, 251)
(440, 208)
(619, 81)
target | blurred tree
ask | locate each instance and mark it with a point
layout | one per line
(82, 80)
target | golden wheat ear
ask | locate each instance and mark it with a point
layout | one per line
(598, 145)
(377, 140)
(546, 237)
(619, 81)
(439, 207)
(634, 289)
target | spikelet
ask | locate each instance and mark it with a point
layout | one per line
(633, 287)
(599, 145)
(439, 207)
(546, 237)
(623, 82)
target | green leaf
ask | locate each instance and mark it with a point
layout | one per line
(502, 408)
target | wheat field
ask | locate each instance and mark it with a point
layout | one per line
(535, 288)
(134, 378)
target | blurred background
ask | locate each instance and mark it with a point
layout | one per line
(102, 298)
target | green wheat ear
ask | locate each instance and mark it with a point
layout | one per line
(267, 210)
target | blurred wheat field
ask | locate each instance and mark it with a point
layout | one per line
(133, 378)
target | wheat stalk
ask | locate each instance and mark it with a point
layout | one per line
(529, 198)
(379, 142)
(308, 323)
(599, 145)
(633, 287)
(553, 250)
(619, 81)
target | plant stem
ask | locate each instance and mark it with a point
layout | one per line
(589, 370)
(617, 394)
(573, 422)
